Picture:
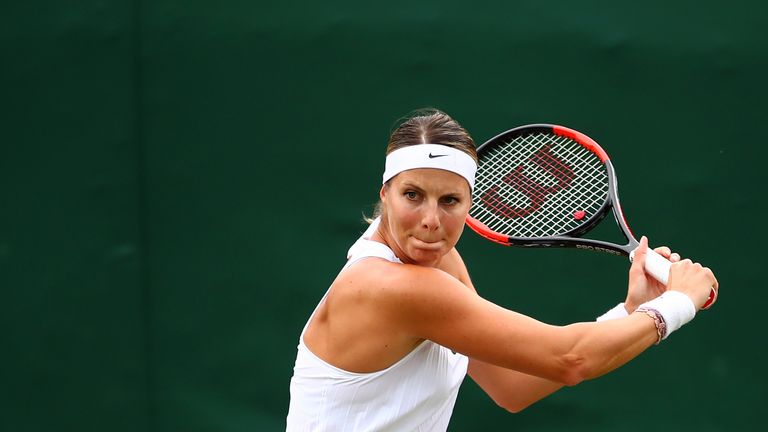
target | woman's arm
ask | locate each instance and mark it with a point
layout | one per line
(433, 305)
(429, 304)
(510, 389)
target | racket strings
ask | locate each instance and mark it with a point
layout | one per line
(538, 195)
(538, 185)
(539, 221)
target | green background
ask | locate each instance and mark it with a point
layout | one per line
(180, 180)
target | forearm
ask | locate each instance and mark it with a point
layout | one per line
(602, 347)
(510, 389)
(596, 349)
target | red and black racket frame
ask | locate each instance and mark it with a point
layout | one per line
(571, 238)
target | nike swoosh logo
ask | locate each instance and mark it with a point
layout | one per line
(431, 156)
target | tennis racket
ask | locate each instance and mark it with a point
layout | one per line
(544, 185)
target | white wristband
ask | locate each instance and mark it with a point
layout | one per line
(618, 311)
(675, 307)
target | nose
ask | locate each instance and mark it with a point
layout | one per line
(430, 219)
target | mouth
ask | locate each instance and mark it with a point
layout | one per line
(428, 245)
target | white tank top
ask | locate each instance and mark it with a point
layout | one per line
(415, 394)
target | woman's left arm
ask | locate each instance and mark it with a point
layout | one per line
(510, 389)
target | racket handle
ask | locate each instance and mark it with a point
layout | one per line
(658, 267)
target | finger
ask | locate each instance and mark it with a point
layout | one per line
(713, 280)
(663, 251)
(638, 262)
(715, 287)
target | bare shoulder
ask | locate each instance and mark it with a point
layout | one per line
(364, 324)
(397, 292)
(404, 294)
(379, 279)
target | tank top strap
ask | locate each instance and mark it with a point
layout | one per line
(364, 247)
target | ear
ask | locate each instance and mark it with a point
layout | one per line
(383, 192)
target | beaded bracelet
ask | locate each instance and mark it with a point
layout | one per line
(674, 308)
(658, 320)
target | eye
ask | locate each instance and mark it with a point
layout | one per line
(450, 200)
(411, 195)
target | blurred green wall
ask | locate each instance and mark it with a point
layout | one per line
(180, 180)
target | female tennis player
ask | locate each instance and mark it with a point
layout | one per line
(389, 344)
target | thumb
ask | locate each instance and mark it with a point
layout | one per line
(638, 261)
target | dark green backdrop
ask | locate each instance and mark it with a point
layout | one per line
(180, 180)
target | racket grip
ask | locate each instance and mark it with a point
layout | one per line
(658, 267)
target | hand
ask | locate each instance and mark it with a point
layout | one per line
(694, 280)
(642, 286)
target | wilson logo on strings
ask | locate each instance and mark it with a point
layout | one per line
(536, 192)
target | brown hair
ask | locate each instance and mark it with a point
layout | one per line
(428, 126)
(431, 126)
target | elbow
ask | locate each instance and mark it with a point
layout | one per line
(513, 410)
(574, 370)
(512, 406)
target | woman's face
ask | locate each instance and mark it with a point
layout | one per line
(423, 214)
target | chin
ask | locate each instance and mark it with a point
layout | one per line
(426, 257)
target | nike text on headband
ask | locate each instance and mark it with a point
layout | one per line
(430, 156)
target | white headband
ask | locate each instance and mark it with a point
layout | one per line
(430, 156)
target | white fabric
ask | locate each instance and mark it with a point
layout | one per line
(618, 311)
(430, 156)
(676, 308)
(415, 394)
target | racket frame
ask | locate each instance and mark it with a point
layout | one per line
(572, 238)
